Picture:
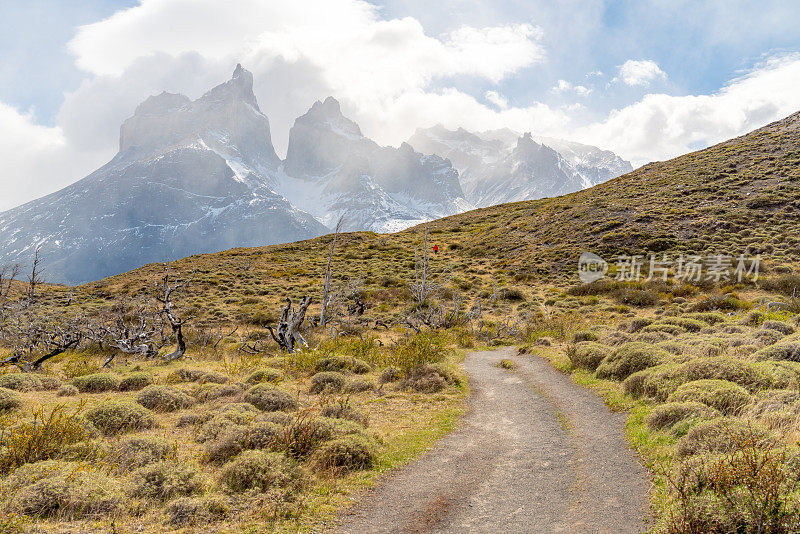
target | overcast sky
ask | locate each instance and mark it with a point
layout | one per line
(647, 79)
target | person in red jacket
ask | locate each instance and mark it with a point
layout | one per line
(435, 249)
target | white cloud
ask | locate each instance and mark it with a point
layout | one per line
(299, 52)
(497, 99)
(563, 86)
(661, 126)
(29, 151)
(634, 72)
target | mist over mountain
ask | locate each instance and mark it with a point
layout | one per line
(202, 176)
(502, 166)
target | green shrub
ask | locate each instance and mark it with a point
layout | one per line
(272, 376)
(584, 335)
(270, 399)
(46, 435)
(668, 328)
(348, 453)
(636, 297)
(164, 398)
(721, 435)
(135, 452)
(725, 396)
(67, 390)
(743, 373)
(688, 324)
(115, 417)
(63, 489)
(665, 416)
(629, 358)
(331, 382)
(9, 400)
(135, 382)
(261, 471)
(190, 511)
(96, 383)
(505, 363)
(413, 351)
(588, 354)
(165, 480)
(20, 381)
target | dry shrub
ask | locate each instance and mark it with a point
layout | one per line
(426, 347)
(164, 398)
(630, 358)
(722, 435)
(115, 417)
(20, 382)
(390, 374)
(64, 490)
(723, 395)
(272, 376)
(165, 480)
(225, 418)
(67, 390)
(358, 385)
(46, 435)
(135, 382)
(327, 382)
(9, 400)
(587, 354)
(666, 416)
(341, 364)
(190, 511)
(270, 399)
(343, 410)
(196, 375)
(135, 452)
(96, 383)
(209, 392)
(783, 351)
(261, 471)
(424, 379)
(751, 488)
(784, 328)
(348, 453)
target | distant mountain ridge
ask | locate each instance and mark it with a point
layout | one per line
(501, 166)
(197, 176)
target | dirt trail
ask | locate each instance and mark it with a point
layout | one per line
(534, 453)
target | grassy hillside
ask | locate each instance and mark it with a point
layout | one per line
(709, 370)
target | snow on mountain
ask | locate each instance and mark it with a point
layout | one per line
(190, 177)
(501, 166)
(332, 170)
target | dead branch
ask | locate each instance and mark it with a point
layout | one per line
(288, 332)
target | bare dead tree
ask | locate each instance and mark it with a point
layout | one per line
(288, 333)
(167, 288)
(426, 282)
(35, 278)
(8, 275)
(137, 332)
(325, 308)
(37, 339)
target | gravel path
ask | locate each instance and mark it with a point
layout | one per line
(534, 453)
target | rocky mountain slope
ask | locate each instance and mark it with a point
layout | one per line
(332, 170)
(190, 177)
(503, 166)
